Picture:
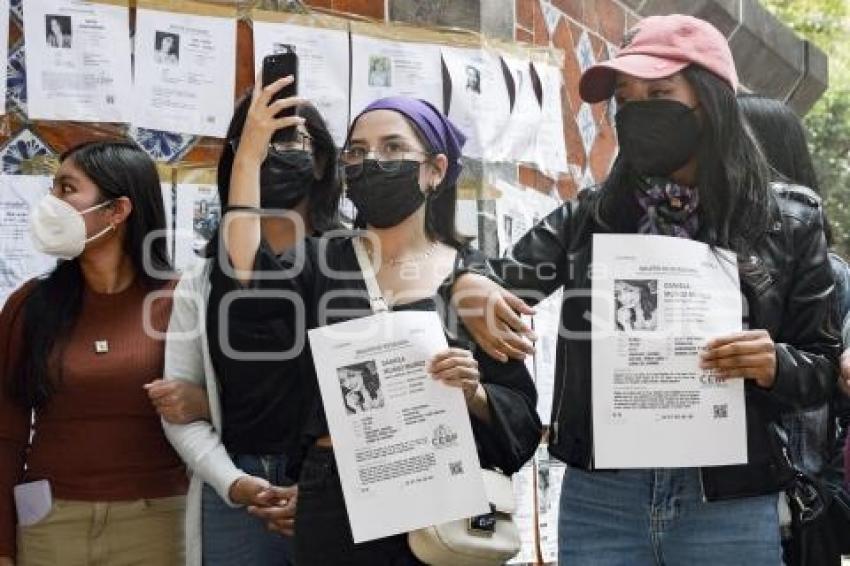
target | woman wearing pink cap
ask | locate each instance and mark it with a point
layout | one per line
(687, 167)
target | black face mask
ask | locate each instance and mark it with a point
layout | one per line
(384, 198)
(285, 178)
(657, 137)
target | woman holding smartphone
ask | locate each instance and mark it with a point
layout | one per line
(231, 418)
(401, 164)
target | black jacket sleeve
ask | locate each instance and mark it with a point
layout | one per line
(514, 431)
(807, 344)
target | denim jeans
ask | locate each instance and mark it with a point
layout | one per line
(232, 536)
(808, 438)
(323, 532)
(658, 517)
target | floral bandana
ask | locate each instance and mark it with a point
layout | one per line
(667, 209)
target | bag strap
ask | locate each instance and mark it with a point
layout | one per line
(376, 298)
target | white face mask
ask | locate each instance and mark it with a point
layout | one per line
(58, 229)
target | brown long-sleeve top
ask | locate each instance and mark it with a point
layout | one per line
(98, 438)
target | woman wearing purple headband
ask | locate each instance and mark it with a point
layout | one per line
(401, 164)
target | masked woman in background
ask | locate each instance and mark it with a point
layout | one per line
(234, 419)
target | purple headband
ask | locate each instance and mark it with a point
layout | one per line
(443, 136)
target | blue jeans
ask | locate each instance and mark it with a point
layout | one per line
(232, 536)
(658, 517)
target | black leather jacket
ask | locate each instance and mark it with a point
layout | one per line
(789, 295)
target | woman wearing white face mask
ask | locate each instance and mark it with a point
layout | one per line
(76, 346)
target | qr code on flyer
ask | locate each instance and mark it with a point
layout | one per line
(721, 411)
(456, 468)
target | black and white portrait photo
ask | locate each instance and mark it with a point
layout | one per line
(473, 79)
(206, 213)
(361, 388)
(166, 48)
(58, 31)
(380, 71)
(508, 227)
(636, 304)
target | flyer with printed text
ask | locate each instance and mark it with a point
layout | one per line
(403, 441)
(77, 61)
(656, 301)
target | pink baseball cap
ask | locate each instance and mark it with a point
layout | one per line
(660, 46)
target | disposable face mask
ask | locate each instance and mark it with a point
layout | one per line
(657, 137)
(285, 179)
(58, 229)
(385, 198)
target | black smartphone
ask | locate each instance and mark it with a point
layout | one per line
(281, 64)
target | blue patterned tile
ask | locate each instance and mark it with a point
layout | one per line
(23, 146)
(162, 146)
(16, 79)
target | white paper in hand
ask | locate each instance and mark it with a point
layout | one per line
(33, 502)
(402, 440)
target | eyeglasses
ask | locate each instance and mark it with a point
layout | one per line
(388, 159)
(301, 142)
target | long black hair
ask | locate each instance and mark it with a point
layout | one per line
(323, 198)
(782, 138)
(118, 169)
(440, 204)
(736, 202)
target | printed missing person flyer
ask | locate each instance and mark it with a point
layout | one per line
(656, 301)
(403, 441)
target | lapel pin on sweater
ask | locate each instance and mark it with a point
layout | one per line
(101, 346)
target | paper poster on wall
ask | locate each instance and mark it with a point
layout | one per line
(479, 103)
(322, 66)
(520, 134)
(382, 67)
(587, 179)
(550, 477)
(547, 324)
(551, 148)
(4, 52)
(540, 204)
(513, 218)
(185, 72)
(525, 516)
(19, 261)
(196, 217)
(466, 220)
(168, 205)
(77, 61)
